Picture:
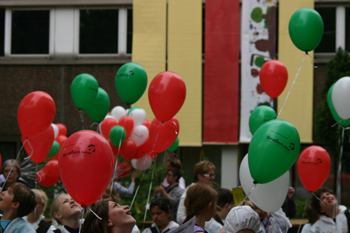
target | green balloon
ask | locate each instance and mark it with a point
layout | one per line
(306, 29)
(131, 82)
(175, 145)
(273, 150)
(131, 109)
(335, 115)
(54, 149)
(98, 109)
(259, 116)
(117, 135)
(83, 90)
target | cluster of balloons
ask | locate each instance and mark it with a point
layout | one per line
(87, 95)
(48, 175)
(336, 98)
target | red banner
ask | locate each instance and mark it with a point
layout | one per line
(221, 72)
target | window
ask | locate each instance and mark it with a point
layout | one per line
(347, 28)
(327, 44)
(30, 32)
(98, 31)
(129, 33)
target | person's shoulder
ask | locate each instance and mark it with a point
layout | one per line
(19, 225)
(147, 230)
(173, 224)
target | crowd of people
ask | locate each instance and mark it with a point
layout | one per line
(173, 204)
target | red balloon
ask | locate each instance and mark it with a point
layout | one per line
(123, 169)
(39, 146)
(273, 78)
(52, 168)
(86, 166)
(166, 94)
(62, 129)
(106, 125)
(115, 150)
(147, 123)
(35, 113)
(128, 149)
(128, 123)
(314, 165)
(163, 135)
(46, 179)
(61, 139)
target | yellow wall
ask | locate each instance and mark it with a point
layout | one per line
(299, 105)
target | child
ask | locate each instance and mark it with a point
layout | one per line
(161, 213)
(200, 202)
(276, 223)
(35, 218)
(109, 217)
(225, 204)
(313, 216)
(333, 217)
(67, 214)
(16, 202)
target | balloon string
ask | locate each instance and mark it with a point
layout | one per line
(303, 215)
(36, 183)
(81, 117)
(318, 198)
(337, 123)
(32, 151)
(245, 198)
(19, 152)
(132, 202)
(116, 161)
(81, 218)
(149, 192)
(339, 167)
(93, 125)
(285, 100)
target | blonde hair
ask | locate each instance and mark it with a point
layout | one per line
(41, 197)
(55, 207)
(198, 197)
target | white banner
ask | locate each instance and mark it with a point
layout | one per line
(258, 44)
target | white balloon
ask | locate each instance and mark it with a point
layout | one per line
(133, 163)
(55, 129)
(139, 116)
(269, 196)
(341, 96)
(144, 163)
(117, 112)
(140, 135)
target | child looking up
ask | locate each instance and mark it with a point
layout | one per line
(67, 214)
(16, 202)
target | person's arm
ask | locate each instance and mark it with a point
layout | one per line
(181, 210)
(122, 190)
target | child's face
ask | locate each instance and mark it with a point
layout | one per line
(328, 201)
(159, 217)
(119, 215)
(68, 207)
(6, 200)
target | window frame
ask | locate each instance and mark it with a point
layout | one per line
(8, 33)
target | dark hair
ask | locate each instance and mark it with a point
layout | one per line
(25, 196)
(176, 172)
(175, 163)
(94, 225)
(198, 197)
(312, 215)
(162, 203)
(224, 196)
(201, 168)
(315, 202)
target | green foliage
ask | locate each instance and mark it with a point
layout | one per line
(138, 208)
(325, 134)
(300, 206)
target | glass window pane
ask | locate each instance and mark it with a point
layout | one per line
(30, 32)
(327, 44)
(98, 32)
(2, 31)
(129, 33)
(347, 28)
